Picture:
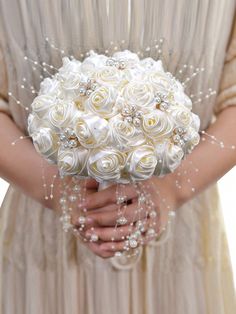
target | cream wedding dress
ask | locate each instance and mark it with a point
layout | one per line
(44, 271)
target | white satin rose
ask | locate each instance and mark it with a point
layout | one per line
(181, 115)
(42, 104)
(70, 74)
(195, 122)
(169, 157)
(50, 87)
(149, 64)
(46, 143)
(141, 163)
(131, 59)
(93, 62)
(106, 164)
(34, 123)
(62, 115)
(102, 102)
(193, 139)
(140, 94)
(160, 81)
(157, 125)
(91, 130)
(73, 161)
(180, 98)
(108, 76)
(124, 135)
(134, 73)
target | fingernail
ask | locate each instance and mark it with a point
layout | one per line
(107, 247)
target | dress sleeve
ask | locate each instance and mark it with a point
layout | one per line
(227, 90)
(4, 107)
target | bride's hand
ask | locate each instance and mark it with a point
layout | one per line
(102, 214)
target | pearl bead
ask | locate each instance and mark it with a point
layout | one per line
(133, 243)
(94, 237)
(81, 220)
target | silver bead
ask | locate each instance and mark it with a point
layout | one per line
(138, 114)
(62, 200)
(94, 237)
(180, 130)
(164, 106)
(93, 86)
(62, 137)
(142, 198)
(133, 243)
(151, 232)
(110, 62)
(73, 143)
(120, 199)
(153, 214)
(76, 188)
(181, 143)
(68, 132)
(81, 220)
(122, 221)
(139, 224)
(136, 122)
(128, 119)
(122, 64)
(133, 108)
(89, 92)
(176, 138)
(158, 100)
(72, 198)
(185, 139)
(125, 112)
(90, 81)
(82, 91)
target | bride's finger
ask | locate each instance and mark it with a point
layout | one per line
(88, 220)
(108, 196)
(116, 247)
(110, 218)
(96, 249)
(113, 246)
(110, 234)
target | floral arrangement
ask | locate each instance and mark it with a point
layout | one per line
(117, 119)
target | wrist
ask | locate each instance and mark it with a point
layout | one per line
(47, 189)
(172, 188)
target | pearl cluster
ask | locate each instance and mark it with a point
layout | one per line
(120, 64)
(161, 101)
(132, 115)
(87, 86)
(68, 138)
(179, 136)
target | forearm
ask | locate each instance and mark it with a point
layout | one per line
(21, 164)
(211, 160)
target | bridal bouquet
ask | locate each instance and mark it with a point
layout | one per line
(116, 119)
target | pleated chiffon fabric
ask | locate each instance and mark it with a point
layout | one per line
(45, 271)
